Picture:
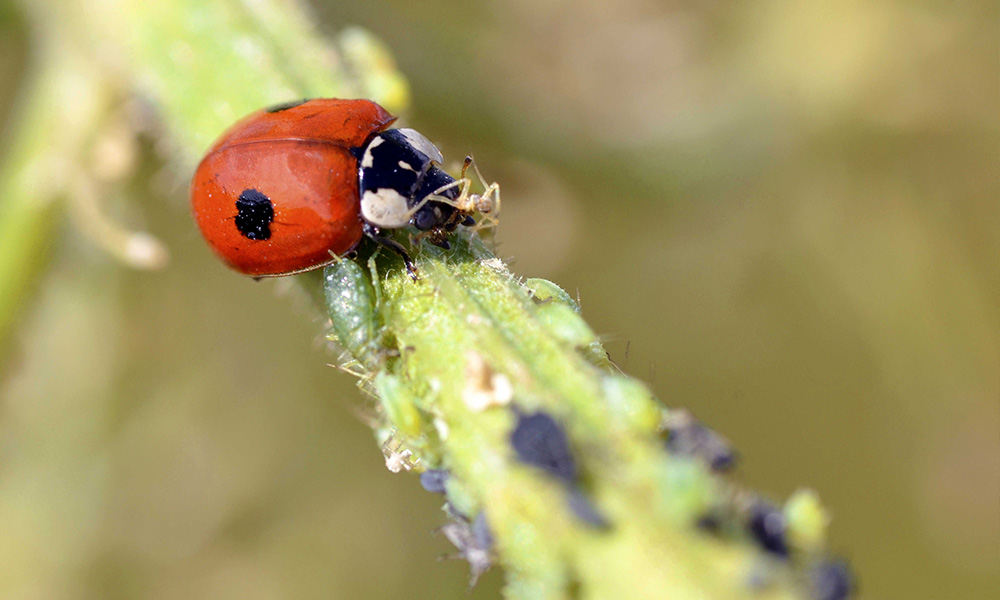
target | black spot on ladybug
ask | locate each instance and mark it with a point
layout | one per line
(768, 528)
(831, 580)
(286, 105)
(540, 442)
(255, 215)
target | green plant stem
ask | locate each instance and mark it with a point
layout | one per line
(468, 310)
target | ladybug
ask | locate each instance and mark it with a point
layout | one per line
(290, 188)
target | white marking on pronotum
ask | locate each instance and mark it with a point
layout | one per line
(385, 207)
(406, 166)
(367, 160)
(422, 144)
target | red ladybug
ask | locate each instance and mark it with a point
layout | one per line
(289, 187)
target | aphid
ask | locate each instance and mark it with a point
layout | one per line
(434, 480)
(686, 436)
(831, 579)
(487, 203)
(581, 506)
(474, 543)
(541, 442)
(350, 298)
(766, 524)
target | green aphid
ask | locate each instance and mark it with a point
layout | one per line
(351, 300)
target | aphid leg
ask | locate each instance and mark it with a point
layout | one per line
(373, 233)
(490, 209)
(461, 203)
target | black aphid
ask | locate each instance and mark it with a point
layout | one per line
(541, 442)
(831, 580)
(686, 436)
(766, 524)
(584, 509)
(433, 480)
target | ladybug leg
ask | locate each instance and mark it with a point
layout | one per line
(437, 236)
(373, 233)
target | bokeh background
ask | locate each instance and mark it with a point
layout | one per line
(783, 215)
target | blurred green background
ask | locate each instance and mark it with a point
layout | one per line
(782, 215)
